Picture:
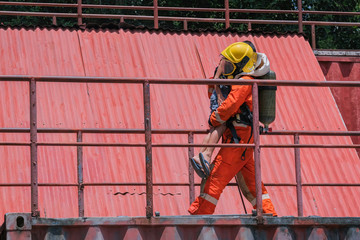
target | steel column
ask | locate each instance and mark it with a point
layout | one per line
(80, 175)
(300, 15)
(256, 134)
(54, 22)
(156, 14)
(298, 177)
(249, 26)
(191, 169)
(148, 150)
(33, 151)
(227, 14)
(313, 38)
(185, 25)
(79, 12)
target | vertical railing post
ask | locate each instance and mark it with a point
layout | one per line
(156, 14)
(79, 12)
(80, 175)
(298, 177)
(313, 37)
(185, 25)
(191, 170)
(148, 150)
(33, 151)
(54, 22)
(256, 133)
(300, 16)
(227, 14)
(249, 26)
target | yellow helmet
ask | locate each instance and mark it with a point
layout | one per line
(241, 55)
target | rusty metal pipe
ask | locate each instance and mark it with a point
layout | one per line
(148, 150)
(298, 177)
(174, 131)
(80, 175)
(191, 170)
(151, 8)
(227, 14)
(189, 81)
(172, 184)
(256, 135)
(313, 37)
(156, 15)
(300, 16)
(79, 12)
(33, 150)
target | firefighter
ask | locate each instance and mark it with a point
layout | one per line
(235, 112)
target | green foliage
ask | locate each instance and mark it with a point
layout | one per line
(327, 37)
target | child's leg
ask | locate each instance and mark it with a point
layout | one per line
(214, 137)
(205, 141)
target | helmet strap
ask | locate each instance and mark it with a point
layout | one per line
(240, 65)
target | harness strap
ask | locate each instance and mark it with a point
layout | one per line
(235, 137)
(245, 118)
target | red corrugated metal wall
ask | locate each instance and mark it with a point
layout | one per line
(137, 53)
(347, 99)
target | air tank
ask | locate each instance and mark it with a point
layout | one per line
(267, 101)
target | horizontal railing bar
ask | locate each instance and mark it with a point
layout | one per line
(104, 130)
(84, 144)
(142, 144)
(39, 14)
(35, 4)
(309, 146)
(172, 184)
(261, 82)
(331, 184)
(76, 144)
(188, 19)
(314, 133)
(173, 131)
(14, 143)
(189, 9)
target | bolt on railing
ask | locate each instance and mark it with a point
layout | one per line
(148, 131)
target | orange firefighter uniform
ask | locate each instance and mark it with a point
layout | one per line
(229, 161)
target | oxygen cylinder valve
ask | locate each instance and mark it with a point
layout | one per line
(265, 129)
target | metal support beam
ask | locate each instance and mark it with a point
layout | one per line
(79, 12)
(256, 134)
(33, 151)
(148, 150)
(156, 14)
(298, 177)
(227, 14)
(313, 37)
(80, 175)
(300, 15)
(191, 170)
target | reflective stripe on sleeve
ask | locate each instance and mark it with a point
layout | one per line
(209, 198)
(239, 124)
(218, 119)
(264, 196)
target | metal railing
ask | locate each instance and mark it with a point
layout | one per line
(80, 15)
(148, 131)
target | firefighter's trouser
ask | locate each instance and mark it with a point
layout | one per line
(226, 165)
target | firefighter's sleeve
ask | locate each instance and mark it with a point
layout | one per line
(230, 105)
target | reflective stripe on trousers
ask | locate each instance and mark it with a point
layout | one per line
(264, 196)
(209, 198)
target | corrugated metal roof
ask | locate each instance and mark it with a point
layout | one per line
(132, 53)
(345, 68)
